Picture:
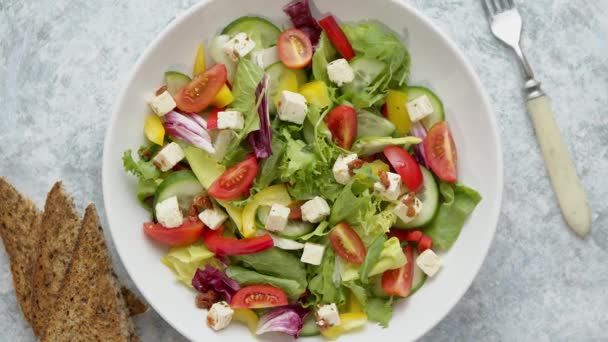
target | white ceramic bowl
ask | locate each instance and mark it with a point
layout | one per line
(436, 63)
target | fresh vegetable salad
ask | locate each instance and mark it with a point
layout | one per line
(302, 183)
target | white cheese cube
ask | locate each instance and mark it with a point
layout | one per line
(230, 119)
(419, 108)
(266, 57)
(341, 168)
(292, 107)
(393, 190)
(286, 244)
(168, 213)
(340, 72)
(429, 262)
(162, 104)
(238, 47)
(315, 210)
(327, 315)
(168, 157)
(313, 253)
(213, 218)
(277, 218)
(408, 208)
(219, 316)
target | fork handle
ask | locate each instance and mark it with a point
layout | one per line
(562, 173)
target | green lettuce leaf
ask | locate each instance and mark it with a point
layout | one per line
(321, 230)
(379, 310)
(391, 257)
(372, 257)
(269, 168)
(246, 277)
(322, 285)
(275, 262)
(324, 54)
(459, 202)
(142, 169)
(184, 261)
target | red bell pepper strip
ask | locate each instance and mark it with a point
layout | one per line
(212, 118)
(337, 37)
(221, 245)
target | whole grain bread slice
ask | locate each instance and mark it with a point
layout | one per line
(135, 304)
(90, 306)
(20, 231)
(60, 228)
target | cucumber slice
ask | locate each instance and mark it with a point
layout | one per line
(438, 113)
(262, 215)
(295, 229)
(430, 202)
(182, 184)
(310, 327)
(275, 71)
(418, 278)
(261, 31)
(366, 71)
(176, 81)
(216, 51)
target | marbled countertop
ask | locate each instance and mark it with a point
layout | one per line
(62, 63)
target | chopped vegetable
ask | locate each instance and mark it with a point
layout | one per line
(189, 232)
(299, 13)
(212, 279)
(287, 320)
(337, 36)
(231, 246)
(261, 139)
(223, 98)
(154, 130)
(257, 297)
(248, 317)
(200, 61)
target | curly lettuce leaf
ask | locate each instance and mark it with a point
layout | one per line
(372, 257)
(142, 169)
(379, 310)
(459, 202)
(322, 286)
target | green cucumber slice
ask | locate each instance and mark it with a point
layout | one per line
(261, 31)
(418, 278)
(182, 184)
(176, 81)
(261, 215)
(373, 125)
(275, 71)
(429, 196)
(310, 327)
(366, 71)
(295, 229)
(438, 113)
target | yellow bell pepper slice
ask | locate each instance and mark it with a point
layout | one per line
(276, 194)
(248, 317)
(316, 92)
(223, 98)
(353, 303)
(348, 322)
(154, 130)
(287, 81)
(397, 112)
(200, 62)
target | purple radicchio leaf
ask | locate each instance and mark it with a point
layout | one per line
(260, 140)
(302, 19)
(213, 279)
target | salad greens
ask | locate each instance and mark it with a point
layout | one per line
(299, 178)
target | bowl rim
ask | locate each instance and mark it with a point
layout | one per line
(494, 214)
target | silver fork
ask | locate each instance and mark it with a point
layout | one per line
(506, 25)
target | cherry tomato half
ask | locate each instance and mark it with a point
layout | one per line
(441, 152)
(236, 180)
(189, 232)
(398, 282)
(294, 48)
(347, 243)
(257, 297)
(342, 122)
(405, 165)
(201, 91)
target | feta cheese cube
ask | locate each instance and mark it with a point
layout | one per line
(162, 104)
(277, 218)
(327, 315)
(315, 210)
(266, 57)
(168, 213)
(219, 316)
(340, 72)
(341, 168)
(213, 218)
(292, 107)
(408, 208)
(230, 119)
(419, 108)
(238, 47)
(286, 244)
(429, 262)
(313, 253)
(168, 157)
(393, 190)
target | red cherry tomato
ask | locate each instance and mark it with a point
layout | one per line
(294, 48)
(424, 243)
(342, 122)
(347, 243)
(405, 165)
(257, 297)
(236, 180)
(398, 282)
(441, 152)
(199, 93)
(409, 235)
(189, 232)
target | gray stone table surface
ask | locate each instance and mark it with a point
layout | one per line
(63, 62)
